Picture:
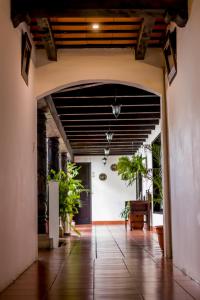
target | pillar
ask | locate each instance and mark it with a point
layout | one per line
(63, 157)
(42, 173)
(53, 154)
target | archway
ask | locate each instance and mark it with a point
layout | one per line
(89, 83)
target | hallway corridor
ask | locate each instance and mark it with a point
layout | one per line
(105, 263)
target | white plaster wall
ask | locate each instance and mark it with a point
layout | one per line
(108, 197)
(80, 65)
(184, 144)
(18, 198)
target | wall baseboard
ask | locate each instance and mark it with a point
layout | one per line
(108, 223)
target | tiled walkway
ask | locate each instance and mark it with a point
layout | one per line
(105, 263)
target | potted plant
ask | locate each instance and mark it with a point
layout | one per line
(129, 168)
(70, 189)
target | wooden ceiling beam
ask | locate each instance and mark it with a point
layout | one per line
(100, 154)
(77, 109)
(133, 128)
(101, 97)
(103, 139)
(97, 149)
(106, 110)
(98, 103)
(102, 124)
(23, 10)
(101, 150)
(96, 134)
(48, 39)
(99, 46)
(121, 130)
(144, 37)
(88, 149)
(69, 119)
(119, 39)
(54, 114)
(158, 29)
(113, 143)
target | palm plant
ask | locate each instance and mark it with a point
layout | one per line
(129, 169)
(156, 177)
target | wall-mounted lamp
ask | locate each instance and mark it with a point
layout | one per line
(116, 109)
(104, 159)
(109, 136)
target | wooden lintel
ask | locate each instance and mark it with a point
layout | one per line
(48, 39)
(23, 10)
(144, 37)
(54, 114)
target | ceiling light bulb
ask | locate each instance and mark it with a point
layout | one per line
(95, 26)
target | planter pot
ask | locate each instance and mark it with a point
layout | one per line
(159, 231)
(61, 229)
(67, 226)
(136, 222)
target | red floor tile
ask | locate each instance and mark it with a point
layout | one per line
(105, 263)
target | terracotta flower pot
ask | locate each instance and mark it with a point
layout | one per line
(136, 222)
(159, 231)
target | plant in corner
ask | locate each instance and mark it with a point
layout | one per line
(70, 189)
(129, 168)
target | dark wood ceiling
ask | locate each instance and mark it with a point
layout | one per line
(113, 32)
(86, 115)
(68, 24)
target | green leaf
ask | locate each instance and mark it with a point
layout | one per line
(70, 190)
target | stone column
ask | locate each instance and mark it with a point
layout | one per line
(63, 157)
(42, 173)
(53, 154)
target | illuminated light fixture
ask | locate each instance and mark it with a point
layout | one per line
(109, 136)
(104, 159)
(106, 151)
(95, 26)
(116, 109)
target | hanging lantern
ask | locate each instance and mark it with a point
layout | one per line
(116, 109)
(109, 136)
(106, 151)
(104, 159)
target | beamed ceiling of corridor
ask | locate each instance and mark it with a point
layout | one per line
(138, 24)
(85, 112)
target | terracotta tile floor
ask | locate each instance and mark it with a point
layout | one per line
(105, 263)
